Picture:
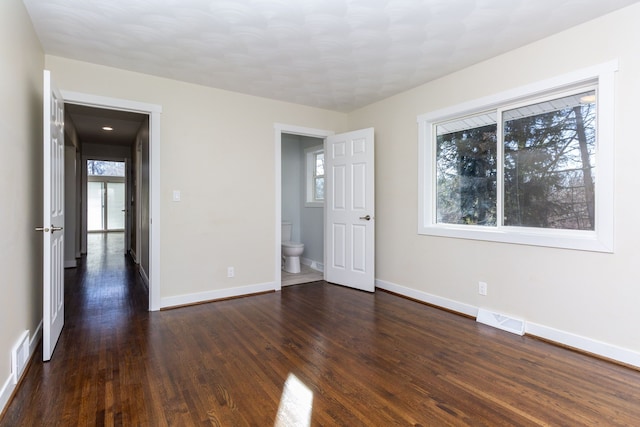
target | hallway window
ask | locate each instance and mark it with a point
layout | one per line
(315, 176)
(105, 168)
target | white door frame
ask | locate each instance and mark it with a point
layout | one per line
(279, 130)
(154, 111)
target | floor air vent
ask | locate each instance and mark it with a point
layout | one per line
(20, 356)
(500, 321)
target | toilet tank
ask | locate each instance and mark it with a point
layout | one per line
(286, 231)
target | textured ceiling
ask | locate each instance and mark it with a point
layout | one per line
(334, 54)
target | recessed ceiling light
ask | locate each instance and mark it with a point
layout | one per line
(107, 128)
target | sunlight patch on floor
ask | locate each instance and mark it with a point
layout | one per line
(296, 404)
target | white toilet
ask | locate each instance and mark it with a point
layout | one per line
(291, 251)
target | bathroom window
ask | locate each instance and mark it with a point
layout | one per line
(315, 176)
(530, 166)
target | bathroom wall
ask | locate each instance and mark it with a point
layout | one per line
(311, 218)
(292, 185)
(308, 223)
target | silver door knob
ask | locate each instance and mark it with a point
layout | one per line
(47, 229)
(366, 218)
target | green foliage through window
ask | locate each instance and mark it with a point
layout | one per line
(547, 152)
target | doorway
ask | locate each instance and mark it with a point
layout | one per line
(303, 204)
(148, 212)
(349, 211)
(291, 135)
(106, 195)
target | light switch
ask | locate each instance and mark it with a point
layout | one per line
(176, 195)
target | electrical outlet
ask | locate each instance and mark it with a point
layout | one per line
(231, 272)
(482, 288)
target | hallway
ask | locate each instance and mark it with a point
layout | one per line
(106, 322)
(105, 290)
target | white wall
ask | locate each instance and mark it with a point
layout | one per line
(142, 142)
(217, 148)
(311, 218)
(21, 65)
(72, 186)
(292, 185)
(585, 297)
(69, 206)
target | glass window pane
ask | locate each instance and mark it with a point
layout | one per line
(95, 219)
(549, 163)
(466, 171)
(115, 206)
(319, 188)
(105, 168)
(320, 164)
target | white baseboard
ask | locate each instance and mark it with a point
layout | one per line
(133, 256)
(315, 265)
(589, 345)
(144, 276)
(70, 263)
(9, 386)
(217, 294)
(569, 339)
(449, 304)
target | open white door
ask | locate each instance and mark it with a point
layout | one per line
(53, 253)
(349, 210)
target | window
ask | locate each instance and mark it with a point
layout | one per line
(532, 166)
(315, 176)
(105, 195)
(105, 168)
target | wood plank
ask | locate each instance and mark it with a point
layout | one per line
(368, 359)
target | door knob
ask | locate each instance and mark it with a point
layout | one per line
(47, 229)
(366, 218)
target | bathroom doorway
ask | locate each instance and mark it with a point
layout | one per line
(302, 203)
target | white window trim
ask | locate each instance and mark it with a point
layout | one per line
(599, 240)
(309, 155)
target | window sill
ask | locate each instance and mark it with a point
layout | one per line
(561, 239)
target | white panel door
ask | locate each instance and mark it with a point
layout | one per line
(53, 254)
(349, 210)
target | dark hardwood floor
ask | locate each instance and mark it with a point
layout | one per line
(314, 354)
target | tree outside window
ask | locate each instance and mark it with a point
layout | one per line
(548, 166)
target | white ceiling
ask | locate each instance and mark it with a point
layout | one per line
(333, 54)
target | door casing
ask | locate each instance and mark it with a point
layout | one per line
(154, 112)
(279, 130)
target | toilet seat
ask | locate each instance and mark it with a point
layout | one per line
(290, 244)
